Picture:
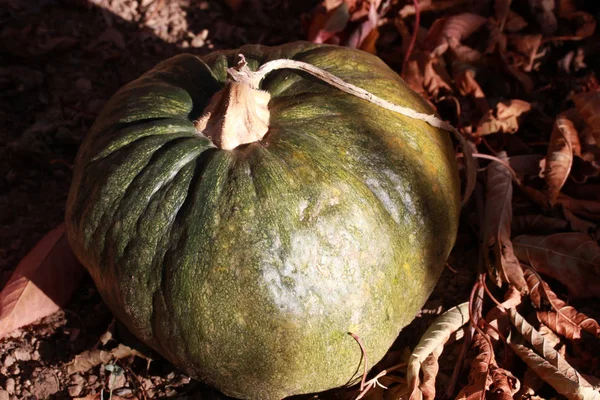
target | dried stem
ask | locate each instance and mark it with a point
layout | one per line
(241, 73)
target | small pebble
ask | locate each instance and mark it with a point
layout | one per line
(9, 360)
(10, 385)
(14, 370)
(4, 395)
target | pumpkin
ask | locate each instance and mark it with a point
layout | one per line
(246, 263)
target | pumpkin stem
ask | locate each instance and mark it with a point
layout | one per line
(237, 114)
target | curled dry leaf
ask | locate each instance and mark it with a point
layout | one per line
(562, 319)
(504, 118)
(525, 48)
(549, 364)
(526, 165)
(564, 143)
(325, 26)
(91, 358)
(435, 336)
(430, 368)
(467, 85)
(588, 209)
(543, 10)
(235, 5)
(479, 374)
(42, 282)
(504, 385)
(572, 258)
(514, 22)
(500, 258)
(577, 224)
(497, 317)
(332, 25)
(537, 224)
(454, 29)
(588, 105)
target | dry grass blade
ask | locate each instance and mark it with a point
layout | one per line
(500, 258)
(557, 166)
(572, 258)
(563, 319)
(437, 334)
(549, 364)
(89, 359)
(42, 282)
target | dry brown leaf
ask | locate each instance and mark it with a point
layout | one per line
(585, 25)
(549, 364)
(500, 259)
(332, 24)
(429, 5)
(577, 224)
(523, 78)
(234, 4)
(504, 118)
(430, 368)
(533, 224)
(91, 358)
(325, 26)
(467, 85)
(364, 30)
(562, 319)
(588, 105)
(527, 46)
(572, 258)
(427, 75)
(497, 317)
(436, 335)
(459, 27)
(588, 209)
(479, 375)
(514, 22)
(543, 10)
(368, 44)
(564, 143)
(526, 165)
(42, 282)
(504, 385)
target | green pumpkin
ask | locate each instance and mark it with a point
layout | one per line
(247, 268)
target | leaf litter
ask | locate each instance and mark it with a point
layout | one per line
(496, 72)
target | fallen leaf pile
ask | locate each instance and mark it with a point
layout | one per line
(518, 81)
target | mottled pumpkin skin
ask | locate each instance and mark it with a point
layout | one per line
(248, 268)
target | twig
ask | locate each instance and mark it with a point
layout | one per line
(364, 355)
(413, 39)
